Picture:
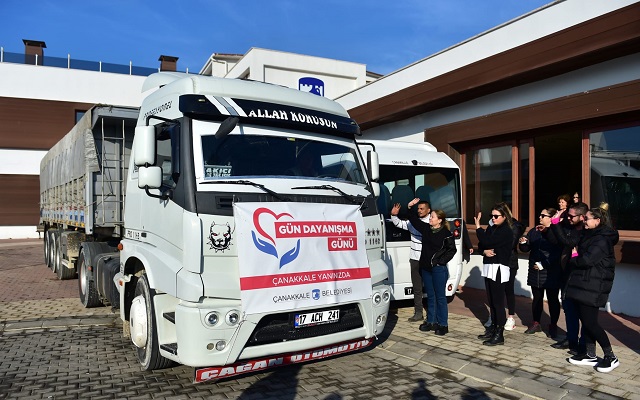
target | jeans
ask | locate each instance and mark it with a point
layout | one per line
(435, 282)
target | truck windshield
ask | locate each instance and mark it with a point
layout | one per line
(253, 156)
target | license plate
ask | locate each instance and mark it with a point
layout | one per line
(408, 291)
(316, 318)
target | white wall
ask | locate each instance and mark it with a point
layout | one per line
(20, 162)
(60, 84)
(282, 68)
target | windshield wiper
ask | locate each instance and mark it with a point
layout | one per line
(352, 199)
(246, 182)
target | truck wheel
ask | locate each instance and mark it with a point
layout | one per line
(65, 273)
(86, 287)
(53, 244)
(46, 248)
(142, 308)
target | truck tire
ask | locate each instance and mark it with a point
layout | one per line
(149, 355)
(58, 260)
(65, 273)
(46, 248)
(51, 249)
(54, 251)
(86, 287)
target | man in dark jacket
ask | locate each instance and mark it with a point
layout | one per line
(568, 234)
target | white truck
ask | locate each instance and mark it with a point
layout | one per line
(245, 220)
(410, 170)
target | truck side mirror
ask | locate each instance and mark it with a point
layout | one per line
(373, 166)
(149, 177)
(144, 151)
(376, 189)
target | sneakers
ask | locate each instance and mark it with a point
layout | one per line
(510, 325)
(488, 323)
(585, 359)
(535, 327)
(608, 364)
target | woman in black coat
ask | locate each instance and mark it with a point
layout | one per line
(544, 272)
(496, 245)
(438, 248)
(589, 285)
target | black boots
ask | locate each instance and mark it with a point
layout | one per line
(496, 338)
(488, 332)
(427, 326)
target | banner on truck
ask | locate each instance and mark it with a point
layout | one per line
(300, 255)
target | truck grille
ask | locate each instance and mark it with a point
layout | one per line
(277, 328)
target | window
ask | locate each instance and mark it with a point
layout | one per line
(79, 115)
(615, 174)
(488, 180)
(257, 156)
(401, 184)
(167, 158)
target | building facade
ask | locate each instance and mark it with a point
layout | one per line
(42, 97)
(544, 105)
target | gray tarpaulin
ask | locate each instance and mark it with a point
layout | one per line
(73, 156)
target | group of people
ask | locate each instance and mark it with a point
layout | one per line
(570, 256)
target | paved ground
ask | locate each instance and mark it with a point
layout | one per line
(51, 347)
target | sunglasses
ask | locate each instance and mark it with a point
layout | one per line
(545, 216)
(571, 216)
(495, 216)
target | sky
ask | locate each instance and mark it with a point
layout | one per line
(384, 35)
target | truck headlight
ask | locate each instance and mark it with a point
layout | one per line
(377, 298)
(212, 318)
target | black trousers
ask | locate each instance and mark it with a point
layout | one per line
(538, 303)
(495, 297)
(593, 332)
(509, 291)
(416, 282)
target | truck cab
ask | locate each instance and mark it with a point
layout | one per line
(251, 226)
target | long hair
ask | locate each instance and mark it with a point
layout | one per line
(441, 214)
(602, 213)
(504, 209)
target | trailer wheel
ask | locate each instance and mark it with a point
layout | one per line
(148, 352)
(65, 273)
(46, 248)
(86, 287)
(53, 245)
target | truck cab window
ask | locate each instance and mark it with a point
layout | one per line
(167, 158)
(268, 156)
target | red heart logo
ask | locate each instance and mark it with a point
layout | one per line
(256, 221)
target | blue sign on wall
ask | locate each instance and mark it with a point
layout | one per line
(311, 85)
